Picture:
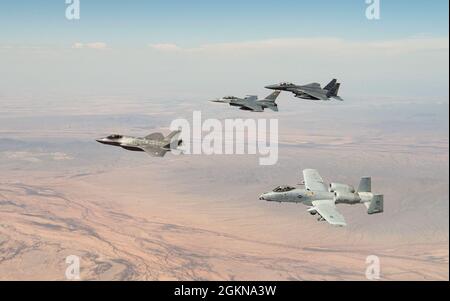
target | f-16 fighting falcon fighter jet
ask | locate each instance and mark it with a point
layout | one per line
(311, 91)
(251, 103)
(156, 145)
(322, 200)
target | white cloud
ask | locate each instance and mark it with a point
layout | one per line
(94, 45)
(413, 66)
(165, 47)
(305, 44)
(22, 156)
(60, 156)
(35, 157)
(78, 45)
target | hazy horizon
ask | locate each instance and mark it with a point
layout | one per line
(173, 49)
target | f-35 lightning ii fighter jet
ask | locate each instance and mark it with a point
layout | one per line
(156, 145)
(251, 102)
(322, 200)
(312, 91)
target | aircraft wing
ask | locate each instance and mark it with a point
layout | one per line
(313, 180)
(327, 209)
(314, 94)
(251, 97)
(313, 86)
(252, 106)
(155, 151)
(155, 136)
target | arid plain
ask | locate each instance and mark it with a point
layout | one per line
(132, 217)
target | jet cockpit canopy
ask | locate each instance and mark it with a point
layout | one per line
(283, 189)
(113, 137)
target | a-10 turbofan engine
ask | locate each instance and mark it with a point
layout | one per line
(347, 198)
(336, 187)
(345, 194)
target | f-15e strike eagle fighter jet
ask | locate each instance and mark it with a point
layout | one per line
(322, 200)
(156, 145)
(251, 102)
(312, 91)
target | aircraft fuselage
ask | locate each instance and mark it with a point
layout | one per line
(306, 197)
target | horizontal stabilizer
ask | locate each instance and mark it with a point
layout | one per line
(173, 145)
(273, 107)
(376, 205)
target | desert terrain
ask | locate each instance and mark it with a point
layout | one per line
(195, 217)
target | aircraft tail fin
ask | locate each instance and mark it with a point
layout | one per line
(376, 205)
(273, 97)
(365, 185)
(334, 90)
(172, 136)
(173, 140)
(330, 85)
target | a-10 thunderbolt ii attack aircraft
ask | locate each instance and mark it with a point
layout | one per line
(155, 145)
(251, 102)
(312, 91)
(322, 200)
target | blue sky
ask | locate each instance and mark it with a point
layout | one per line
(145, 46)
(189, 23)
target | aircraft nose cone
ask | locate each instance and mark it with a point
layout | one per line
(275, 87)
(262, 197)
(101, 140)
